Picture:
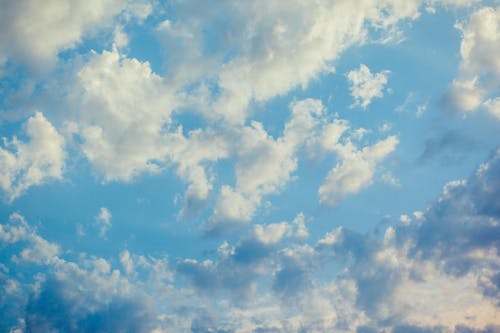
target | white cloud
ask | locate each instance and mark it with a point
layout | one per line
(103, 221)
(366, 86)
(493, 107)
(477, 85)
(127, 262)
(264, 164)
(38, 250)
(120, 119)
(36, 32)
(270, 48)
(123, 115)
(26, 164)
(465, 95)
(481, 42)
(271, 233)
(355, 171)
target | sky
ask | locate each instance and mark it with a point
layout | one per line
(250, 166)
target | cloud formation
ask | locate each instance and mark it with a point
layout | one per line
(366, 86)
(477, 87)
(435, 272)
(221, 103)
(25, 164)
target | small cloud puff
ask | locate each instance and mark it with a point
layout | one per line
(103, 221)
(26, 164)
(366, 86)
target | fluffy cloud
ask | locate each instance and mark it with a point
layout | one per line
(477, 87)
(25, 164)
(119, 93)
(355, 171)
(264, 164)
(366, 86)
(36, 33)
(120, 115)
(269, 49)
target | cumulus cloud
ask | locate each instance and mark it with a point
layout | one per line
(26, 164)
(123, 118)
(355, 171)
(264, 164)
(477, 87)
(35, 33)
(120, 115)
(366, 86)
(269, 49)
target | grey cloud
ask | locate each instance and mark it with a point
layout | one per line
(67, 306)
(251, 250)
(292, 279)
(450, 146)
(464, 218)
(235, 273)
(377, 289)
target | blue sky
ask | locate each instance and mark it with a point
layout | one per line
(249, 166)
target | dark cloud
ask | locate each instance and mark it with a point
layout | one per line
(449, 146)
(466, 217)
(234, 272)
(69, 306)
(292, 279)
(457, 235)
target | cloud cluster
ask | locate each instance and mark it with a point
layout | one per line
(267, 49)
(110, 94)
(435, 272)
(264, 164)
(107, 117)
